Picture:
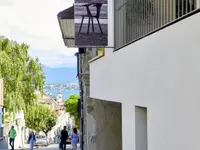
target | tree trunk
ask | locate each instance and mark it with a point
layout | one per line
(45, 133)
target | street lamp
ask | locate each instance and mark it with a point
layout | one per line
(66, 22)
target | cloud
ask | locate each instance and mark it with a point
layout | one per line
(5, 3)
(35, 23)
(55, 59)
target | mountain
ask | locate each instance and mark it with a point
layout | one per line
(59, 75)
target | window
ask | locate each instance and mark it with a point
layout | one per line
(136, 18)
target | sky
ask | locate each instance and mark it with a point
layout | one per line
(35, 22)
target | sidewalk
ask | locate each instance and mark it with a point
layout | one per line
(50, 147)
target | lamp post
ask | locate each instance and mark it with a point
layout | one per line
(67, 27)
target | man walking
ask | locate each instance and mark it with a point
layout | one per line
(12, 134)
(64, 138)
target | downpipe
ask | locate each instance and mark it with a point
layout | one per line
(79, 74)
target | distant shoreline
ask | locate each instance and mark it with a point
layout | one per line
(65, 93)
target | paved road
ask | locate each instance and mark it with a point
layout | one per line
(51, 147)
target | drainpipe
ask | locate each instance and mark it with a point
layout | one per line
(79, 72)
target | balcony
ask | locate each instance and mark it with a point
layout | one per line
(168, 52)
(135, 19)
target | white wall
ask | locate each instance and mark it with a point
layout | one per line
(162, 73)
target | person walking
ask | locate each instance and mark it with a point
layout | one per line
(12, 134)
(31, 140)
(64, 138)
(75, 139)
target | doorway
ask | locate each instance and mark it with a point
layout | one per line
(141, 142)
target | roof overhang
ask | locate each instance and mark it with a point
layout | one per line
(66, 23)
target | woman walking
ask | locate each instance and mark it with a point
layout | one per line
(75, 139)
(31, 140)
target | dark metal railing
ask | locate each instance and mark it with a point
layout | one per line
(136, 18)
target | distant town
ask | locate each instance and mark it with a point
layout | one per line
(61, 87)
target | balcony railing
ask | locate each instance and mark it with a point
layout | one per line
(136, 18)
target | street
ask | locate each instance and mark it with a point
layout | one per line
(51, 147)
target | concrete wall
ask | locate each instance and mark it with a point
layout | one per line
(102, 119)
(107, 125)
(160, 72)
(88, 132)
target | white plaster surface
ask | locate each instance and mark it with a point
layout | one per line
(160, 72)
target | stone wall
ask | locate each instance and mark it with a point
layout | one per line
(90, 53)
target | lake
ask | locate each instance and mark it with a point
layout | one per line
(65, 93)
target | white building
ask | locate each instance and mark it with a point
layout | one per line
(153, 71)
(59, 98)
(63, 120)
(19, 125)
(1, 114)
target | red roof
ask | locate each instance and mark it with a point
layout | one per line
(45, 100)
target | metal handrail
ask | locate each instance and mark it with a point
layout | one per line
(136, 18)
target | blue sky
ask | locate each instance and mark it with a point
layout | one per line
(35, 23)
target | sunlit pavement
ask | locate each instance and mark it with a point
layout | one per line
(51, 147)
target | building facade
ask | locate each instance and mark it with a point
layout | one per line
(153, 72)
(57, 105)
(100, 120)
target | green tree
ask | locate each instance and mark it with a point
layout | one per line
(100, 51)
(71, 105)
(22, 75)
(40, 118)
(50, 122)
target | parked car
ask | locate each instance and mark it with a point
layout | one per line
(41, 140)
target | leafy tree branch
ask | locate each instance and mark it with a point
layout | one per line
(71, 105)
(22, 75)
(40, 118)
